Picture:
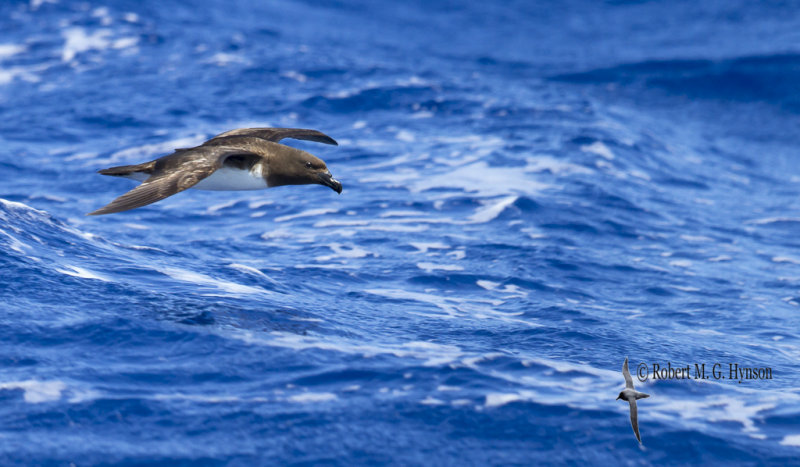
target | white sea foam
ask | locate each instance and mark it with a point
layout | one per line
(404, 135)
(499, 399)
(791, 440)
(24, 211)
(452, 307)
(785, 259)
(477, 177)
(308, 213)
(422, 114)
(221, 206)
(309, 397)
(9, 50)
(14, 205)
(720, 408)
(395, 161)
(345, 251)
(600, 149)
(260, 203)
(773, 220)
(276, 234)
(397, 228)
(295, 75)
(101, 12)
(511, 289)
(402, 213)
(423, 247)
(433, 354)
(244, 268)
(202, 279)
(399, 224)
(488, 285)
(340, 223)
(26, 73)
(457, 254)
(431, 401)
(444, 388)
(78, 156)
(35, 4)
(336, 266)
(430, 267)
(685, 288)
(416, 220)
(134, 226)
(76, 271)
(554, 166)
(696, 238)
(15, 244)
(78, 41)
(37, 391)
(205, 398)
(720, 258)
(224, 59)
(447, 305)
(251, 270)
(83, 395)
(492, 209)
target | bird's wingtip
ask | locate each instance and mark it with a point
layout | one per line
(97, 212)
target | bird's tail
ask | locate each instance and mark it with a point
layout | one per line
(641, 395)
(126, 170)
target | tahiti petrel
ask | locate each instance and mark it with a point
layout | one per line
(241, 159)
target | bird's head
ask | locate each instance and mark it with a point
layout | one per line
(620, 395)
(295, 167)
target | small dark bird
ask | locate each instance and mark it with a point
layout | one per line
(631, 395)
(241, 159)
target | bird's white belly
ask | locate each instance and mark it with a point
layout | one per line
(226, 179)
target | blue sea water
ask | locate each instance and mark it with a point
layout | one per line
(533, 191)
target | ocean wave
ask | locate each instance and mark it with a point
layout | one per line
(770, 78)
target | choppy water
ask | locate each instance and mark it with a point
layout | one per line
(531, 194)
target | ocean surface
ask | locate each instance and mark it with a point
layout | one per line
(533, 191)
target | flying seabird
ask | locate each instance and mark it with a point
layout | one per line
(241, 159)
(631, 395)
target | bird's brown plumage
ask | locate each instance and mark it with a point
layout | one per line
(244, 149)
(275, 135)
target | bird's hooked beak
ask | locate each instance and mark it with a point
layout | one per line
(618, 397)
(327, 179)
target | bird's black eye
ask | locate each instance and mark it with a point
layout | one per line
(308, 165)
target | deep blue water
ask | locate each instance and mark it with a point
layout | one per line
(532, 192)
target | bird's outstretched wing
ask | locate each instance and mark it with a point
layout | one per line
(173, 174)
(635, 419)
(274, 135)
(627, 374)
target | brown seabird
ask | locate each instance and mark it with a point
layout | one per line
(241, 159)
